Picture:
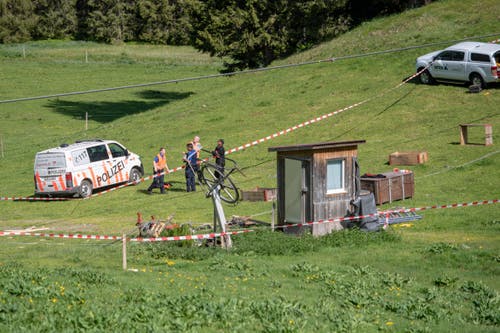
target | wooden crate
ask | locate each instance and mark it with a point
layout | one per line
(408, 158)
(394, 186)
(259, 194)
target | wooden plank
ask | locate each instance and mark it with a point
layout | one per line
(408, 158)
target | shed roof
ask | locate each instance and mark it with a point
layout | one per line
(317, 146)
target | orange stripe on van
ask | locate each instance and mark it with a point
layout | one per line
(63, 183)
(94, 181)
(120, 175)
(54, 184)
(106, 171)
(39, 181)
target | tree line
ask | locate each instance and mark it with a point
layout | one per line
(249, 33)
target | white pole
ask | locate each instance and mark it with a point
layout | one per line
(86, 120)
(24, 51)
(226, 238)
(1, 146)
(86, 57)
(124, 252)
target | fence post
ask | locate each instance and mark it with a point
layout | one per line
(24, 51)
(1, 146)
(86, 120)
(272, 215)
(86, 56)
(124, 251)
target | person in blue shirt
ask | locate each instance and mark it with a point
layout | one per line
(191, 160)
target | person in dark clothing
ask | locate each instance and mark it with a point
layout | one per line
(220, 157)
(190, 158)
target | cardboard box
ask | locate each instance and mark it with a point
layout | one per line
(392, 186)
(260, 194)
(408, 158)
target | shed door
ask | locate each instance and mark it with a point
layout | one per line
(296, 191)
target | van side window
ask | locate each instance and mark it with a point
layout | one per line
(80, 157)
(116, 150)
(97, 153)
(479, 57)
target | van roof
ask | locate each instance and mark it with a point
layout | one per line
(488, 48)
(77, 145)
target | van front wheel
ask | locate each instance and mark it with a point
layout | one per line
(135, 176)
(85, 189)
(425, 77)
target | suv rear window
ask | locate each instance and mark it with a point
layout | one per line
(479, 57)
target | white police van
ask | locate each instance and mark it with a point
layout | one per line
(81, 167)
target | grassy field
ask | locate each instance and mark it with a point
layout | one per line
(439, 274)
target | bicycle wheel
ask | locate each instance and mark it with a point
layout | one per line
(228, 191)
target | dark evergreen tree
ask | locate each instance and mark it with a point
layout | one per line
(17, 20)
(56, 19)
(255, 32)
(164, 21)
(109, 21)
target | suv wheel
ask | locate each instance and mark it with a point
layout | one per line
(426, 77)
(85, 189)
(135, 175)
(477, 80)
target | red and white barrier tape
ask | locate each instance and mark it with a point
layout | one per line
(114, 238)
(214, 235)
(33, 199)
(387, 212)
(54, 235)
(455, 205)
(322, 117)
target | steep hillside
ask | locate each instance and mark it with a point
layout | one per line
(438, 274)
(243, 108)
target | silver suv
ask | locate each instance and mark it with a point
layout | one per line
(474, 62)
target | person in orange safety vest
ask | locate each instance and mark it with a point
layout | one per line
(159, 166)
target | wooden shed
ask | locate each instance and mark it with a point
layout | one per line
(316, 182)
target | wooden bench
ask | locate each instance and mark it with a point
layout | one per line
(488, 133)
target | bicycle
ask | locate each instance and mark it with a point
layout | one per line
(213, 176)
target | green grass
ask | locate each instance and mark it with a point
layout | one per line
(439, 274)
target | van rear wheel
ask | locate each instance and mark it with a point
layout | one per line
(85, 189)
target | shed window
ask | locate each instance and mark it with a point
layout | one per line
(335, 174)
